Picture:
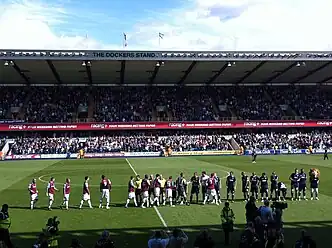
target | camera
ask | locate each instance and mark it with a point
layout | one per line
(279, 205)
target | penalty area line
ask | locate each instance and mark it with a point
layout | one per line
(154, 207)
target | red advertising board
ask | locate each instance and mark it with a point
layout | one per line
(161, 125)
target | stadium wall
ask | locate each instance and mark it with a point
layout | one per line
(157, 154)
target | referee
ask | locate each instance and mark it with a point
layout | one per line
(254, 156)
(326, 156)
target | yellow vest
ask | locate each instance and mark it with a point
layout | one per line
(5, 224)
(227, 215)
(163, 182)
(138, 184)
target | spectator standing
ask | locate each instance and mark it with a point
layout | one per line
(178, 239)
(204, 240)
(227, 222)
(158, 240)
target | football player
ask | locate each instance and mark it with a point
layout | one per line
(105, 188)
(131, 192)
(86, 193)
(33, 193)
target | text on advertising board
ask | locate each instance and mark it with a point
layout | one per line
(161, 125)
(125, 55)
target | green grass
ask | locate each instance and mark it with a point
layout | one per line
(132, 227)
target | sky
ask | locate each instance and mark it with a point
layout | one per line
(205, 25)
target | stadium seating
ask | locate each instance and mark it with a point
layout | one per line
(294, 139)
(126, 143)
(125, 104)
(154, 143)
(54, 104)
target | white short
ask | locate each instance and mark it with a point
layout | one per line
(145, 194)
(34, 197)
(105, 194)
(86, 197)
(131, 195)
(156, 192)
(51, 197)
(66, 197)
(169, 193)
(212, 192)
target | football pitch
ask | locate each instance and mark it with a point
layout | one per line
(132, 227)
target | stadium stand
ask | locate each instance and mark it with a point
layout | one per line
(284, 140)
(124, 143)
(179, 142)
(55, 104)
(113, 104)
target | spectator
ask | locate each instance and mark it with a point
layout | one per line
(305, 241)
(204, 240)
(265, 212)
(251, 210)
(105, 241)
(158, 240)
(178, 239)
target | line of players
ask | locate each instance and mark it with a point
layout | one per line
(105, 188)
(150, 191)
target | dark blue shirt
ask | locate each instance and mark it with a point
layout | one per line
(254, 181)
(230, 181)
(303, 178)
(217, 182)
(263, 181)
(314, 182)
(274, 180)
(295, 178)
(245, 181)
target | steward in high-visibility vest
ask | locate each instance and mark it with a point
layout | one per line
(5, 224)
(227, 220)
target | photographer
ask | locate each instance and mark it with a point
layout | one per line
(159, 240)
(51, 231)
(204, 240)
(274, 233)
(5, 223)
(227, 222)
(251, 209)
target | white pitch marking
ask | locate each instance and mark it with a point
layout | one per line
(154, 207)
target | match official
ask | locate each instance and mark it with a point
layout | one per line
(326, 156)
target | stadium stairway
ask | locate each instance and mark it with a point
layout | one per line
(91, 104)
(23, 109)
(216, 108)
(289, 112)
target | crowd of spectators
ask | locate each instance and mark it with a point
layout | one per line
(142, 142)
(308, 102)
(11, 97)
(55, 104)
(37, 145)
(125, 104)
(129, 143)
(295, 140)
(252, 103)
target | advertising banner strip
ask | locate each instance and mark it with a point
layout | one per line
(160, 125)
